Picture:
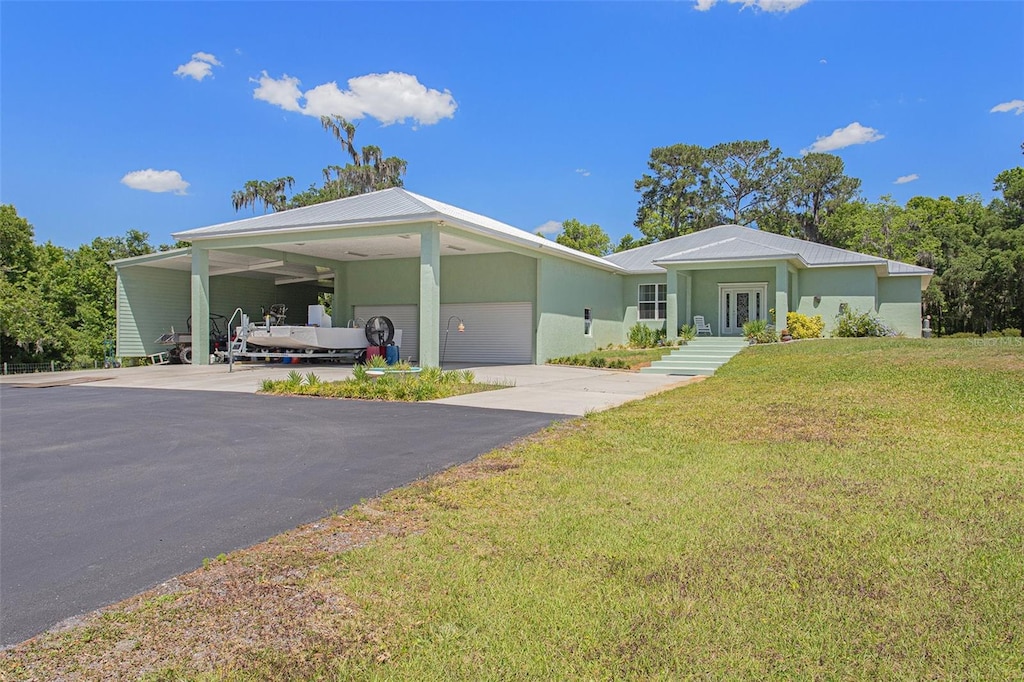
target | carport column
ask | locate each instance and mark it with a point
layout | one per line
(430, 296)
(672, 305)
(341, 310)
(781, 295)
(200, 306)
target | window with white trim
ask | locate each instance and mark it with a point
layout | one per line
(652, 301)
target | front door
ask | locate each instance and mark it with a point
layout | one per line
(740, 304)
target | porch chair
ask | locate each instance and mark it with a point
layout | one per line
(702, 326)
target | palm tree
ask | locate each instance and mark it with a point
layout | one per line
(369, 171)
(270, 193)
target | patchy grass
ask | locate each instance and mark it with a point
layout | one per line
(615, 358)
(838, 509)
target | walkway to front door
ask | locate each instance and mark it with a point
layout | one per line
(740, 303)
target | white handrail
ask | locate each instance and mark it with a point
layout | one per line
(231, 345)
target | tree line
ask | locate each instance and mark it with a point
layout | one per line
(58, 304)
(975, 249)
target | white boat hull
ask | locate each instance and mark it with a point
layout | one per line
(312, 338)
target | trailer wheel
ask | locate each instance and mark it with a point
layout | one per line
(185, 355)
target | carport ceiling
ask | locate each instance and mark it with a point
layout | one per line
(391, 246)
(239, 263)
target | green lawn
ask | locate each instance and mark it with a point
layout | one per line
(836, 509)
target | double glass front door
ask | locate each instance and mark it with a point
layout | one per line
(740, 304)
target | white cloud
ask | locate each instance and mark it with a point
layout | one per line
(904, 179)
(199, 68)
(584, 172)
(156, 181)
(823, 61)
(1014, 105)
(284, 92)
(764, 5)
(550, 227)
(388, 97)
(852, 134)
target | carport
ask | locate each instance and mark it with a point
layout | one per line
(417, 260)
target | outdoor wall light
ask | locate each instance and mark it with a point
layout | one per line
(817, 301)
(461, 328)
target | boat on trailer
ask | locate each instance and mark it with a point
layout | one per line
(305, 338)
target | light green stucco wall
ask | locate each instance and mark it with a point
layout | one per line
(855, 286)
(899, 304)
(485, 278)
(564, 290)
(150, 301)
(630, 292)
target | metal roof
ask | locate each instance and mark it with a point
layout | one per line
(386, 207)
(735, 242)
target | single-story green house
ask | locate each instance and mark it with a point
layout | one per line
(523, 299)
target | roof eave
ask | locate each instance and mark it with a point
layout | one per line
(150, 257)
(197, 235)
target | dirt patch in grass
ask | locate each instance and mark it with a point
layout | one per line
(244, 611)
(228, 616)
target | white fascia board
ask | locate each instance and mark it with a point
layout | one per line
(195, 235)
(150, 257)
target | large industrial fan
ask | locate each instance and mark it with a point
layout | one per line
(380, 331)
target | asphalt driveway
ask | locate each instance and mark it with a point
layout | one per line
(109, 491)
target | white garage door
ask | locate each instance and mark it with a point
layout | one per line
(497, 333)
(404, 317)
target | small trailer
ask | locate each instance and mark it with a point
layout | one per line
(181, 351)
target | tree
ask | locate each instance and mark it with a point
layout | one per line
(270, 193)
(63, 306)
(676, 198)
(692, 187)
(368, 171)
(743, 175)
(806, 193)
(17, 244)
(587, 238)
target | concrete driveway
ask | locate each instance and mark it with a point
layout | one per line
(534, 388)
(109, 491)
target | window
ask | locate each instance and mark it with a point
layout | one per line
(651, 301)
(588, 322)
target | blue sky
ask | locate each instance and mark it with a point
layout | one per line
(526, 112)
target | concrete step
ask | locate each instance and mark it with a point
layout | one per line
(695, 353)
(725, 342)
(680, 371)
(699, 357)
(683, 361)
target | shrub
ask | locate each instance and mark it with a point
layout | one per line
(961, 335)
(1012, 332)
(642, 336)
(992, 335)
(853, 323)
(758, 331)
(804, 326)
(687, 332)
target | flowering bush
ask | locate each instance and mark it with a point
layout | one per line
(804, 326)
